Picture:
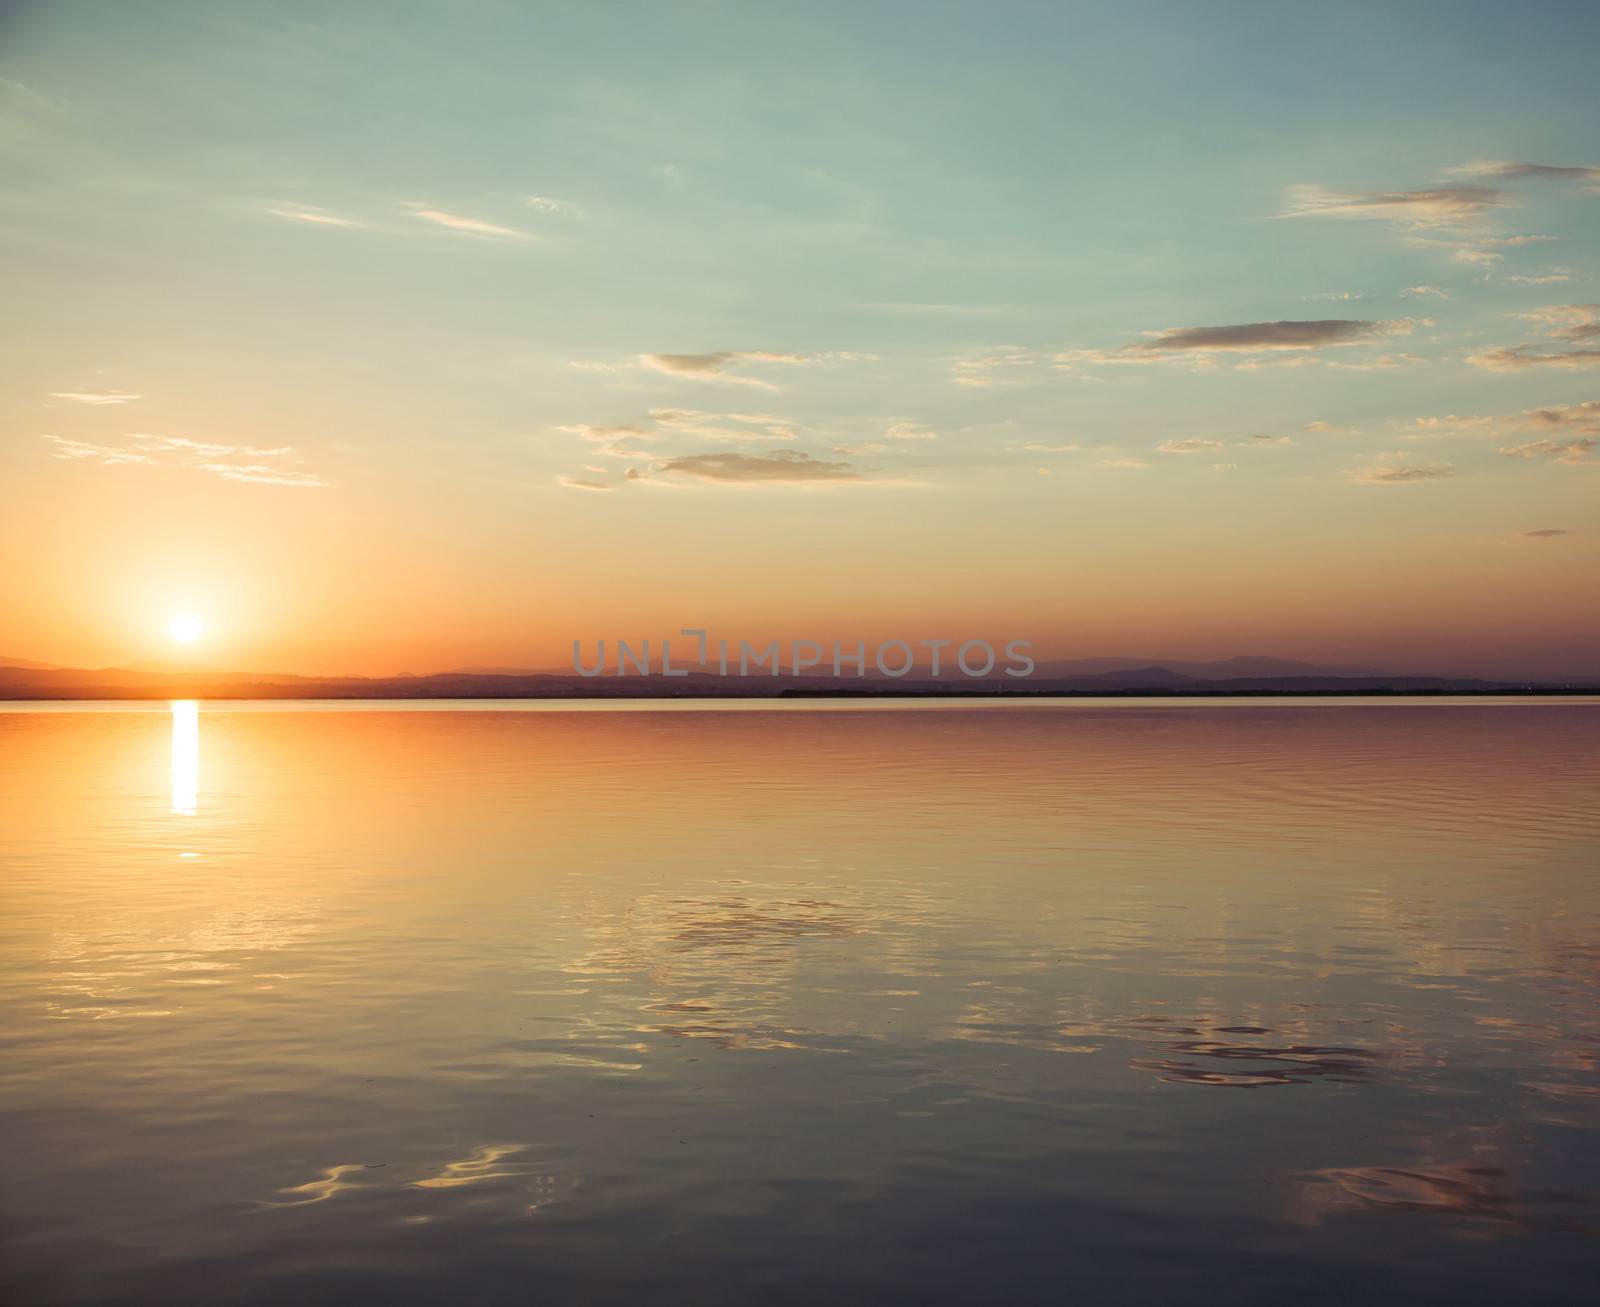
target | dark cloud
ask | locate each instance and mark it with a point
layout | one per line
(1546, 533)
(1508, 170)
(689, 365)
(1272, 335)
(780, 465)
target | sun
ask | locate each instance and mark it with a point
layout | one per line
(185, 628)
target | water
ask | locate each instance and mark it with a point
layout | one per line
(796, 1004)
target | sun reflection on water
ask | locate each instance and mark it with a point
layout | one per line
(185, 756)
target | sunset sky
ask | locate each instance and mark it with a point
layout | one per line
(400, 338)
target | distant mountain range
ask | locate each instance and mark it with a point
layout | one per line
(25, 679)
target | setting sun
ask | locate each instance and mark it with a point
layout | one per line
(185, 628)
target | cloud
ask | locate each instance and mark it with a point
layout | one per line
(1433, 206)
(1283, 361)
(994, 368)
(783, 465)
(724, 426)
(1576, 451)
(1191, 445)
(1256, 442)
(555, 208)
(1506, 170)
(204, 456)
(1570, 322)
(1551, 278)
(1318, 427)
(1419, 292)
(621, 441)
(1038, 447)
(1126, 464)
(906, 430)
(1450, 424)
(578, 483)
(1516, 358)
(1383, 363)
(470, 226)
(182, 445)
(718, 366)
(1565, 417)
(262, 474)
(1258, 336)
(1338, 295)
(602, 434)
(1546, 533)
(313, 216)
(95, 396)
(1393, 470)
(82, 449)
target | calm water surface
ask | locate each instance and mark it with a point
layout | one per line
(971, 1003)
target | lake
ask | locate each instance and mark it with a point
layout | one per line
(1134, 1002)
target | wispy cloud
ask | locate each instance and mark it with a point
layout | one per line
(262, 474)
(1420, 292)
(1570, 322)
(466, 225)
(229, 462)
(208, 448)
(1190, 445)
(1546, 533)
(1565, 417)
(1383, 363)
(580, 483)
(1551, 278)
(1508, 170)
(997, 367)
(1438, 427)
(555, 208)
(724, 426)
(783, 465)
(1430, 206)
(1574, 451)
(1517, 358)
(604, 434)
(81, 449)
(1577, 324)
(722, 365)
(1395, 470)
(908, 430)
(95, 396)
(311, 215)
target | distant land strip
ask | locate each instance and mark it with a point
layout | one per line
(22, 684)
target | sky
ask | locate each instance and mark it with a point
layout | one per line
(398, 337)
